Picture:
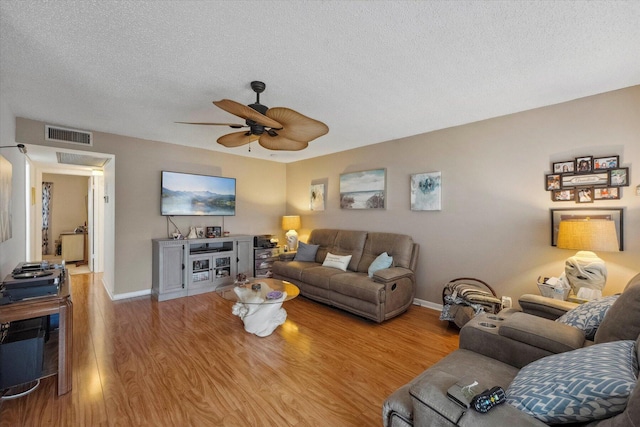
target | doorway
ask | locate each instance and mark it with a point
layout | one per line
(97, 170)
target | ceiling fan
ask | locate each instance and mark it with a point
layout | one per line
(277, 128)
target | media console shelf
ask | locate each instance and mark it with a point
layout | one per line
(191, 267)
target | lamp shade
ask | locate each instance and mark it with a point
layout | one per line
(290, 222)
(588, 235)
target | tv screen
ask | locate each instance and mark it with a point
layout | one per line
(190, 194)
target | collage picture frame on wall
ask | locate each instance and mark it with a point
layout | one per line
(587, 179)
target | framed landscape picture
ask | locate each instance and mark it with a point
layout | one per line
(363, 190)
(426, 191)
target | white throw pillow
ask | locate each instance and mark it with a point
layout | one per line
(337, 261)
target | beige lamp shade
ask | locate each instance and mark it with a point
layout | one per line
(290, 222)
(588, 235)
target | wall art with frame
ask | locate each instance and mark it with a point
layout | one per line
(426, 191)
(316, 197)
(587, 179)
(564, 214)
(363, 190)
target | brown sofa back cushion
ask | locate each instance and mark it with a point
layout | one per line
(324, 238)
(622, 321)
(339, 242)
(399, 246)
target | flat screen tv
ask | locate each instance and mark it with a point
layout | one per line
(197, 195)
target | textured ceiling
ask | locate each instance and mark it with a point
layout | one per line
(372, 71)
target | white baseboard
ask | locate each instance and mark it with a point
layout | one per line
(427, 304)
(115, 297)
(130, 295)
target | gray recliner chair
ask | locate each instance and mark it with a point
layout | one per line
(493, 349)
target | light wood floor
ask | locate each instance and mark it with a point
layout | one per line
(189, 362)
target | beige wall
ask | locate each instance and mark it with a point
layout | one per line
(260, 189)
(69, 204)
(494, 224)
(13, 250)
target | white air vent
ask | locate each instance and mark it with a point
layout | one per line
(80, 159)
(58, 134)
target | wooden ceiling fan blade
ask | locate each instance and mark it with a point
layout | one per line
(246, 113)
(296, 126)
(236, 139)
(281, 143)
(233, 125)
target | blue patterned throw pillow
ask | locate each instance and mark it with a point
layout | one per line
(587, 384)
(588, 316)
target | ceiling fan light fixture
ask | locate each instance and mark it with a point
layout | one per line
(276, 128)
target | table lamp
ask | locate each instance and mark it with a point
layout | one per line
(291, 222)
(585, 269)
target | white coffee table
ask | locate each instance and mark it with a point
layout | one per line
(260, 307)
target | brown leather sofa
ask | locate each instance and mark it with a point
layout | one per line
(494, 348)
(388, 293)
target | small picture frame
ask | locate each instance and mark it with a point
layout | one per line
(619, 177)
(564, 167)
(608, 193)
(552, 181)
(200, 232)
(563, 195)
(605, 163)
(584, 195)
(217, 231)
(210, 232)
(584, 164)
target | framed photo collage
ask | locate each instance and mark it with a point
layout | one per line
(587, 179)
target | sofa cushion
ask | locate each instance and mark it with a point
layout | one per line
(381, 262)
(588, 316)
(292, 269)
(306, 252)
(324, 238)
(582, 385)
(340, 262)
(357, 285)
(350, 242)
(399, 246)
(622, 321)
(319, 276)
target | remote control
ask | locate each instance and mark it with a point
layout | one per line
(486, 400)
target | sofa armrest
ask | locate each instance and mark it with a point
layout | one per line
(287, 256)
(431, 406)
(542, 333)
(548, 308)
(390, 274)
